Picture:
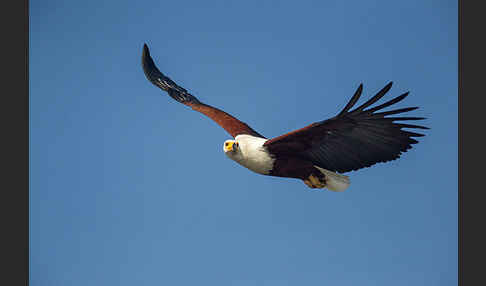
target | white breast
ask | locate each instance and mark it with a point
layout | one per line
(252, 154)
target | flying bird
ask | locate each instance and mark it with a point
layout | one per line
(317, 154)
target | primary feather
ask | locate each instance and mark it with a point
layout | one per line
(353, 139)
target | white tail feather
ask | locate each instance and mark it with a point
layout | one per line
(335, 182)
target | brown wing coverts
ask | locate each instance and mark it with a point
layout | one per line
(229, 123)
(353, 139)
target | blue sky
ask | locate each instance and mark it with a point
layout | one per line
(128, 187)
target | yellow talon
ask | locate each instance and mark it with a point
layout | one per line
(316, 182)
(309, 184)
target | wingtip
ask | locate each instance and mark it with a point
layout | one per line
(402, 96)
(145, 56)
(148, 66)
(147, 61)
(146, 49)
(387, 87)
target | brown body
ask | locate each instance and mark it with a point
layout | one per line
(292, 167)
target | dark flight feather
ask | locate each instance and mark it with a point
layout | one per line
(353, 139)
(229, 123)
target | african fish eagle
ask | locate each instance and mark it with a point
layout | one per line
(317, 153)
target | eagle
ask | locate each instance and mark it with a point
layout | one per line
(317, 154)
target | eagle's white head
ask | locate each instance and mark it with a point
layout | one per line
(232, 149)
(248, 151)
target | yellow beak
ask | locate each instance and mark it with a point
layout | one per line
(228, 146)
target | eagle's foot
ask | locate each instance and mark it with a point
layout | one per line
(309, 184)
(315, 182)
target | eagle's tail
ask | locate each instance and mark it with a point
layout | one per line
(335, 182)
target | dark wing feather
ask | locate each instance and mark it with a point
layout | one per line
(353, 139)
(232, 125)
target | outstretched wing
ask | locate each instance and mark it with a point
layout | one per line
(232, 125)
(352, 139)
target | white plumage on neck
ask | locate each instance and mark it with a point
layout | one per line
(252, 154)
